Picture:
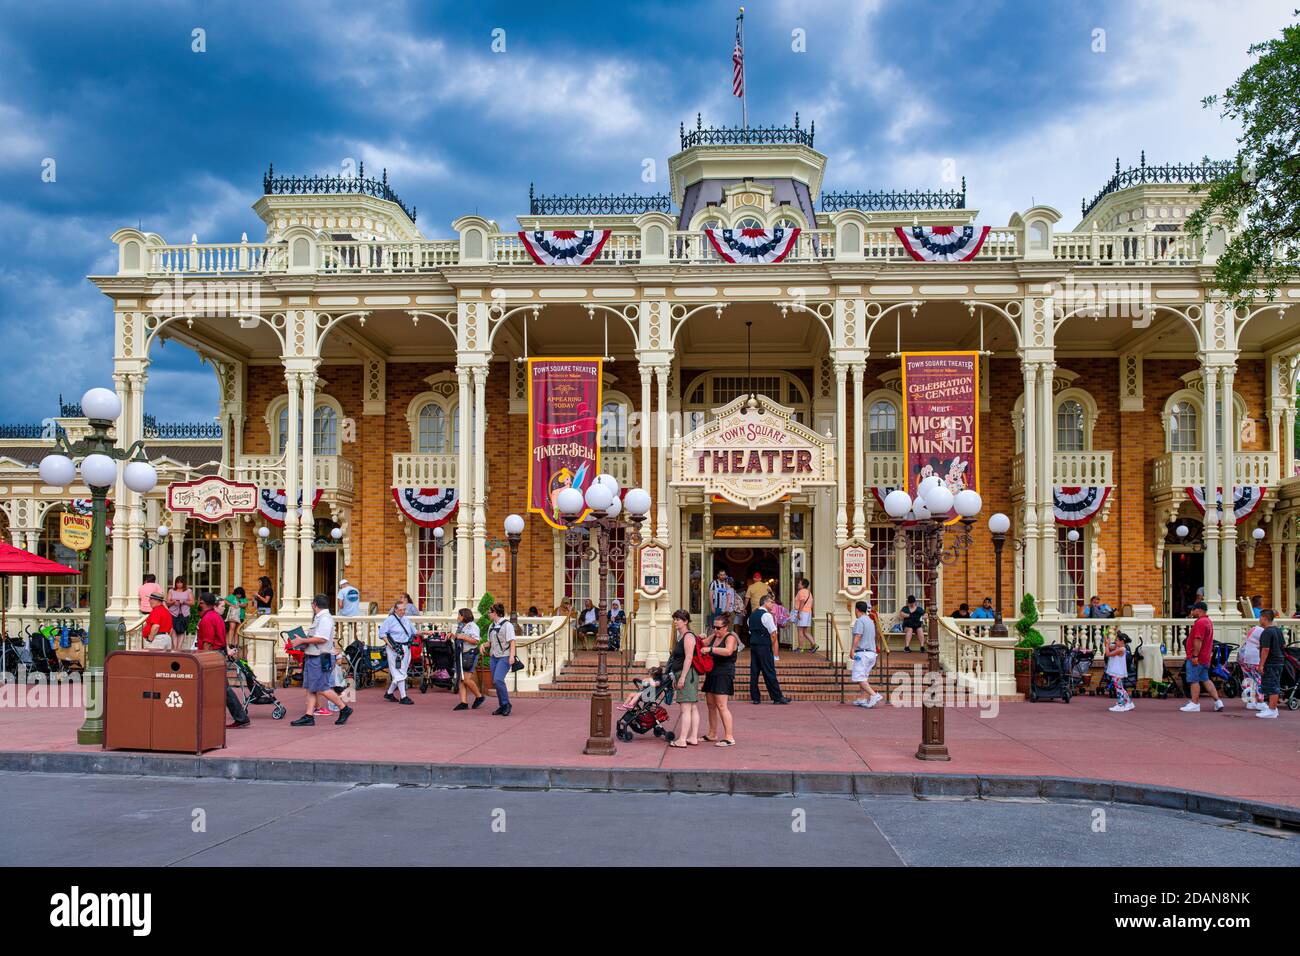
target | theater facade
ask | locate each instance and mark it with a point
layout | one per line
(749, 326)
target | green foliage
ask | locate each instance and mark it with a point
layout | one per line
(1265, 189)
(484, 622)
(1030, 636)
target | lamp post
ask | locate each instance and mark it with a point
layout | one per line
(514, 531)
(99, 459)
(159, 536)
(999, 525)
(605, 507)
(927, 514)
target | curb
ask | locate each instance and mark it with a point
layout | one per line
(922, 786)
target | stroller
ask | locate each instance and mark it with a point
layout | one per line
(293, 662)
(42, 659)
(1057, 672)
(16, 658)
(1290, 685)
(364, 662)
(650, 713)
(257, 692)
(438, 665)
(1228, 678)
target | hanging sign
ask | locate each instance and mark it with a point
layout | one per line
(75, 531)
(853, 570)
(753, 453)
(212, 499)
(563, 430)
(654, 561)
(941, 407)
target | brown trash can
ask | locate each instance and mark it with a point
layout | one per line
(170, 701)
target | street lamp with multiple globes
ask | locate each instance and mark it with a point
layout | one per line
(927, 515)
(99, 458)
(608, 514)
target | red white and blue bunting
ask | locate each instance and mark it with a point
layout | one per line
(564, 247)
(1245, 499)
(942, 243)
(275, 504)
(86, 507)
(1075, 506)
(753, 246)
(427, 507)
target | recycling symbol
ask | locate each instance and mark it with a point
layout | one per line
(174, 699)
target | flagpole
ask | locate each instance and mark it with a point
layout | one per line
(744, 90)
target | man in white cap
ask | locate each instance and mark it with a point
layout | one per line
(349, 599)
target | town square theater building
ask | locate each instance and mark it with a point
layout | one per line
(737, 347)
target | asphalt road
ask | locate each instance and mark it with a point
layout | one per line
(98, 820)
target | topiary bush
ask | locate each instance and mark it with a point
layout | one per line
(1030, 636)
(484, 622)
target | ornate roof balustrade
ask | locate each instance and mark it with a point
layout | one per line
(747, 135)
(597, 205)
(896, 201)
(1172, 174)
(358, 185)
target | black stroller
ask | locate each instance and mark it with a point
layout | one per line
(649, 713)
(257, 692)
(1057, 672)
(438, 665)
(364, 662)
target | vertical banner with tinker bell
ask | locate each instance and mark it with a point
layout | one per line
(564, 430)
(941, 405)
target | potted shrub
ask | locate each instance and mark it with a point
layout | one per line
(483, 671)
(1030, 638)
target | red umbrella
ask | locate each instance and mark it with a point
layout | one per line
(25, 564)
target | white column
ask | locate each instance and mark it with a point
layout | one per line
(134, 503)
(465, 489)
(480, 374)
(662, 438)
(859, 460)
(1228, 534)
(33, 544)
(1276, 597)
(1288, 586)
(177, 539)
(1213, 597)
(1029, 449)
(290, 600)
(647, 443)
(16, 584)
(1046, 435)
(841, 464)
(307, 523)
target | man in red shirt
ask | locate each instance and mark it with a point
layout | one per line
(1196, 673)
(212, 637)
(157, 628)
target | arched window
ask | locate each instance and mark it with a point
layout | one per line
(325, 428)
(431, 438)
(1069, 426)
(1184, 430)
(882, 427)
(749, 223)
(613, 427)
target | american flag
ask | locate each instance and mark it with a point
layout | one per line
(738, 65)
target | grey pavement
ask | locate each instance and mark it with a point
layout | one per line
(98, 819)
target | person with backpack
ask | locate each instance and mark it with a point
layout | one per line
(762, 632)
(685, 677)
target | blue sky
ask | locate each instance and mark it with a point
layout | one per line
(145, 131)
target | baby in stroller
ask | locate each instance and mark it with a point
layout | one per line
(646, 710)
(645, 689)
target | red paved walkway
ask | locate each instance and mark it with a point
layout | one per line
(1228, 753)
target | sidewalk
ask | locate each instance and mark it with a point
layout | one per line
(1229, 753)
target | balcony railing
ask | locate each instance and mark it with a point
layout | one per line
(622, 466)
(1070, 469)
(334, 473)
(1175, 471)
(884, 469)
(424, 471)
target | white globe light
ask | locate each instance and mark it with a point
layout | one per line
(999, 523)
(968, 502)
(598, 497)
(938, 499)
(438, 532)
(264, 532)
(140, 476)
(336, 534)
(637, 501)
(1258, 534)
(1182, 531)
(927, 483)
(100, 471)
(1072, 534)
(609, 481)
(615, 507)
(920, 510)
(163, 531)
(58, 470)
(898, 503)
(101, 404)
(569, 502)
(514, 524)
